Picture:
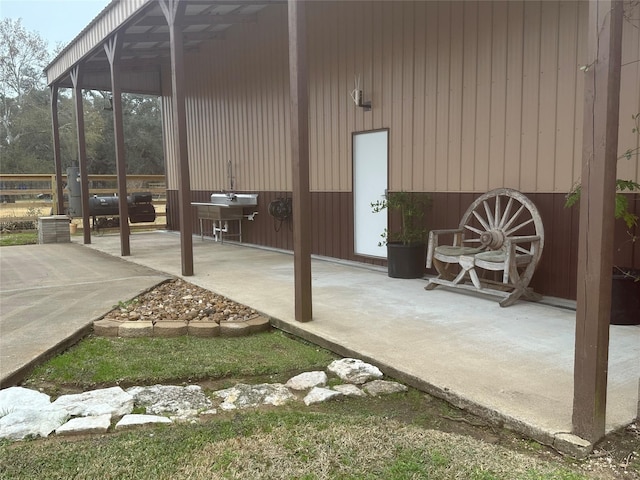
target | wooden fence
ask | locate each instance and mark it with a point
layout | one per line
(26, 197)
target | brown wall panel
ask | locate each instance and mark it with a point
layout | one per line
(332, 223)
(332, 214)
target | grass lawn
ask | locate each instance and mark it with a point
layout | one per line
(400, 436)
(18, 238)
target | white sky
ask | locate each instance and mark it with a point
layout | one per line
(55, 20)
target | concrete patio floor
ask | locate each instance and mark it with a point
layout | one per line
(512, 364)
(49, 296)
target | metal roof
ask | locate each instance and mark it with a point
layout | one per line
(146, 43)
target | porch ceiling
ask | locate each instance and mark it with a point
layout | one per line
(146, 44)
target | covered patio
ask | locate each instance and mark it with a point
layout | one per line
(155, 47)
(513, 366)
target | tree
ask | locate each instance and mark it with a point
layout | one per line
(25, 116)
(23, 57)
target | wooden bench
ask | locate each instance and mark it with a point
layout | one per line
(500, 232)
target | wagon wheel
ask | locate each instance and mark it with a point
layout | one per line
(500, 214)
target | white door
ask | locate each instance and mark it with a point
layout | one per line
(370, 158)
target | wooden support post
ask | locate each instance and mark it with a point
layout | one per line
(595, 248)
(58, 197)
(174, 11)
(112, 49)
(300, 159)
(82, 153)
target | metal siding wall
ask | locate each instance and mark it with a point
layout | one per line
(514, 89)
(548, 100)
(567, 118)
(171, 161)
(476, 95)
(237, 108)
(482, 110)
(499, 43)
(630, 97)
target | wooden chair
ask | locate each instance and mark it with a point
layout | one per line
(500, 232)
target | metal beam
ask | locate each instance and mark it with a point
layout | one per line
(199, 20)
(112, 48)
(174, 11)
(298, 74)
(595, 241)
(82, 152)
(154, 53)
(55, 123)
(164, 37)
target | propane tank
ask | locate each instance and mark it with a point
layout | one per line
(74, 208)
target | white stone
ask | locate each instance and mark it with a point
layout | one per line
(383, 387)
(352, 370)
(81, 425)
(307, 380)
(135, 419)
(19, 398)
(180, 402)
(349, 390)
(113, 400)
(319, 395)
(245, 396)
(32, 422)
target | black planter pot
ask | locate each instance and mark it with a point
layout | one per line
(406, 261)
(625, 297)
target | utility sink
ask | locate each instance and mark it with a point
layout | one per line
(224, 208)
(235, 199)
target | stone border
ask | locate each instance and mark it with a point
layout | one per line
(169, 329)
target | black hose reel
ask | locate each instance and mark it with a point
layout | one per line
(280, 209)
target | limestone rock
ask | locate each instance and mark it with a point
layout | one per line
(114, 401)
(182, 402)
(307, 380)
(82, 425)
(13, 398)
(246, 396)
(383, 387)
(135, 419)
(349, 390)
(25, 422)
(352, 370)
(319, 394)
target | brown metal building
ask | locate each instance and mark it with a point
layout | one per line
(465, 96)
(474, 96)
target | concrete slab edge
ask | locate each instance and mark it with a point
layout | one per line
(14, 378)
(563, 442)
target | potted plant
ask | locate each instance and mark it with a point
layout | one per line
(406, 245)
(625, 288)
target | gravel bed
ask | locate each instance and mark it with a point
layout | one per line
(177, 300)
